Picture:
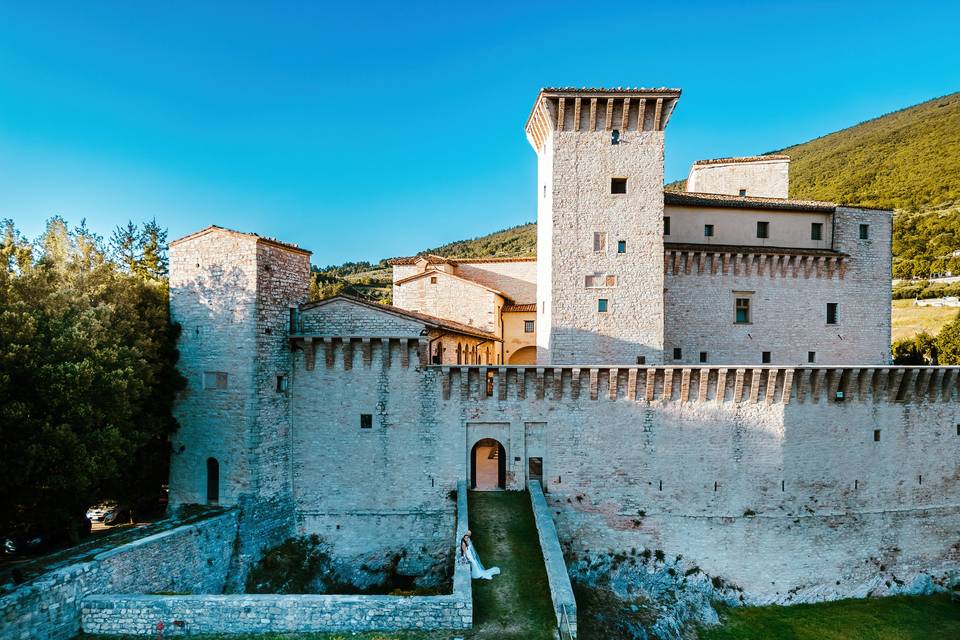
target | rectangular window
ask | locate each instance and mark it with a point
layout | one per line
(281, 383)
(589, 281)
(864, 232)
(433, 279)
(703, 356)
(742, 311)
(599, 241)
(832, 312)
(743, 192)
(812, 357)
(765, 357)
(528, 326)
(763, 229)
(677, 353)
(214, 380)
(618, 185)
(816, 231)
(602, 305)
(876, 435)
(708, 230)
(643, 360)
(666, 225)
(611, 281)
(366, 420)
(621, 246)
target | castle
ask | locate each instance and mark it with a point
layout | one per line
(702, 372)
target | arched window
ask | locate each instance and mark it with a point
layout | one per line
(459, 354)
(213, 481)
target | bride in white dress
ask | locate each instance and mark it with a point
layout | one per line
(469, 554)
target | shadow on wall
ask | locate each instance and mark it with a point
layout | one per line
(577, 346)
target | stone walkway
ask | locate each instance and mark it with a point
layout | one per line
(516, 604)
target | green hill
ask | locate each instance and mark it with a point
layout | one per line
(908, 160)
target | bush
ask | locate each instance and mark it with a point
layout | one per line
(918, 349)
(948, 343)
(291, 567)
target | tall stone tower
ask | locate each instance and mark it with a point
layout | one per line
(231, 293)
(600, 224)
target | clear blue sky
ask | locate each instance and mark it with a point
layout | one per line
(364, 131)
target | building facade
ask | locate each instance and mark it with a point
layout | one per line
(731, 402)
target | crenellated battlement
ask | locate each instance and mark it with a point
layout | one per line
(753, 261)
(737, 385)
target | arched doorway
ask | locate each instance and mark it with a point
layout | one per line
(524, 355)
(488, 465)
(213, 481)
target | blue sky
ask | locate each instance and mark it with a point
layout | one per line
(370, 130)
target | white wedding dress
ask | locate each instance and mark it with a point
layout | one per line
(476, 568)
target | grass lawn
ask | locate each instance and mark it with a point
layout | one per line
(909, 319)
(899, 618)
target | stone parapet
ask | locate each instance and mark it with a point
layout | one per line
(747, 385)
(561, 591)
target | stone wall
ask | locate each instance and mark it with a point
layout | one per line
(193, 558)
(218, 614)
(763, 177)
(760, 476)
(453, 298)
(561, 591)
(516, 278)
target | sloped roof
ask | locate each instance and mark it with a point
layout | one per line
(743, 159)
(518, 308)
(428, 320)
(262, 239)
(434, 259)
(744, 202)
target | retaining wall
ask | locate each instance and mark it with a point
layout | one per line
(561, 591)
(263, 613)
(186, 559)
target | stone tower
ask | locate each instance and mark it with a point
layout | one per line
(231, 293)
(600, 224)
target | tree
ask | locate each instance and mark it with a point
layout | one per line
(87, 378)
(918, 349)
(948, 342)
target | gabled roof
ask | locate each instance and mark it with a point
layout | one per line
(428, 320)
(689, 199)
(260, 239)
(435, 273)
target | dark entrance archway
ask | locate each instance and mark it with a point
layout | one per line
(487, 454)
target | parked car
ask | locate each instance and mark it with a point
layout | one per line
(97, 512)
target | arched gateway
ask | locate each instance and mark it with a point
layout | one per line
(488, 465)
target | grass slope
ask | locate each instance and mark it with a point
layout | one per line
(909, 319)
(900, 618)
(516, 604)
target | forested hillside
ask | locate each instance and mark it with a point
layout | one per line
(908, 160)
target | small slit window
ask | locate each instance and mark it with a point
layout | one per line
(876, 435)
(832, 312)
(282, 383)
(666, 225)
(816, 231)
(366, 420)
(765, 357)
(703, 356)
(864, 232)
(677, 353)
(618, 185)
(433, 279)
(812, 357)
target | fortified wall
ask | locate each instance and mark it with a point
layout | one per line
(788, 482)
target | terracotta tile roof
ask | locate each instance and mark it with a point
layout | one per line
(214, 228)
(741, 159)
(432, 259)
(744, 202)
(736, 248)
(518, 308)
(430, 321)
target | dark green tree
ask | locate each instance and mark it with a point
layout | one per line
(918, 349)
(948, 342)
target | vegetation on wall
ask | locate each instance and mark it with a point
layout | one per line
(87, 374)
